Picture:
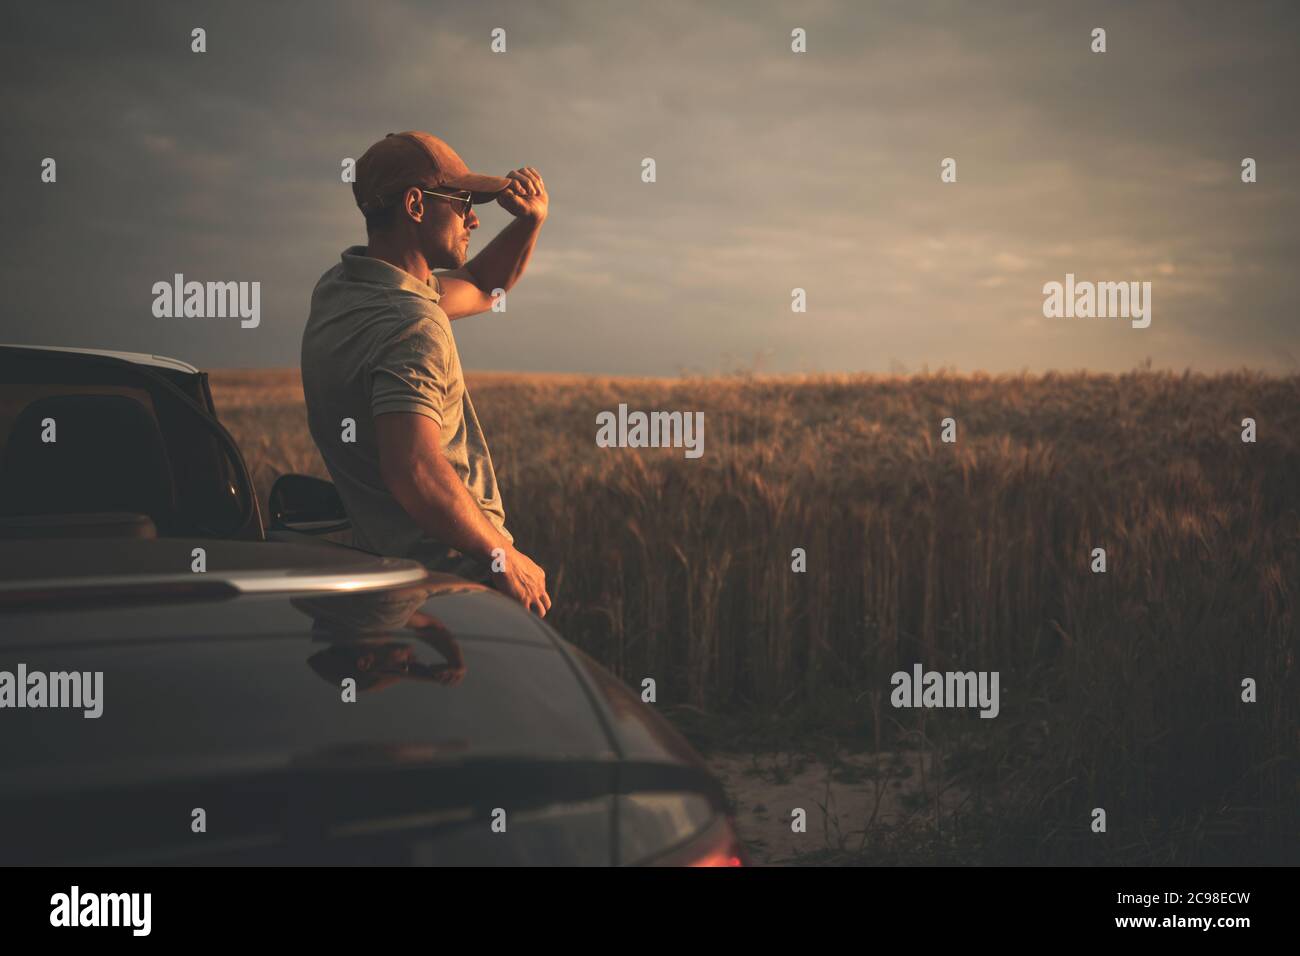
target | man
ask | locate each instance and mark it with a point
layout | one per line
(413, 469)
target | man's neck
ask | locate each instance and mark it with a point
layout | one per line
(406, 259)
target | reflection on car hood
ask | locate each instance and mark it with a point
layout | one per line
(446, 670)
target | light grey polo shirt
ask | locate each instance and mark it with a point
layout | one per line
(377, 341)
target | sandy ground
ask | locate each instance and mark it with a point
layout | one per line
(842, 798)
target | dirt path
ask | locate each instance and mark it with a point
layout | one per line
(841, 797)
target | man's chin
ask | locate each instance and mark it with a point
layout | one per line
(453, 259)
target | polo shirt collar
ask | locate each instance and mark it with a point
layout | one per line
(362, 268)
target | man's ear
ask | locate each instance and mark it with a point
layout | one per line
(413, 203)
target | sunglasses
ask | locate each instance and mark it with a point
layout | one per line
(457, 199)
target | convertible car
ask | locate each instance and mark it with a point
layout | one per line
(182, 684)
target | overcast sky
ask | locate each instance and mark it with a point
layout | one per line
(775, 170)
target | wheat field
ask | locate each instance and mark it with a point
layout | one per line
(1120, 691)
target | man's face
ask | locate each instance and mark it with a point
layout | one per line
(443, 232)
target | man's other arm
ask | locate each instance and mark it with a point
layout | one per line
(425, 484)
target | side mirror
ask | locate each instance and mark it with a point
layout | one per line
(307, 505)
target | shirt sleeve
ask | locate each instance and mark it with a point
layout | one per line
(409, 372)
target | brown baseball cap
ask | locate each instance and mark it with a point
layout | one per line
(414, 158)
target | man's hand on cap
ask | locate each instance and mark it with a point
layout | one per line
(526, 196)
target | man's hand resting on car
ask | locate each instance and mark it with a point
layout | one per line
(523, 580)
(424, 483)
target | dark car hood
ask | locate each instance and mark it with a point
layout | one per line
(258, 682)
(243, 666)
(231, 697)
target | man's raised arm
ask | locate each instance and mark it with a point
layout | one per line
(468, 290)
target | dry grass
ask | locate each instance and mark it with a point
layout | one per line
(1119, 690)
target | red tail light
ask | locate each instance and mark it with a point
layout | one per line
(726, 858)
(717, 845)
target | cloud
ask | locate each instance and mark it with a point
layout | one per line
(775, 171)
